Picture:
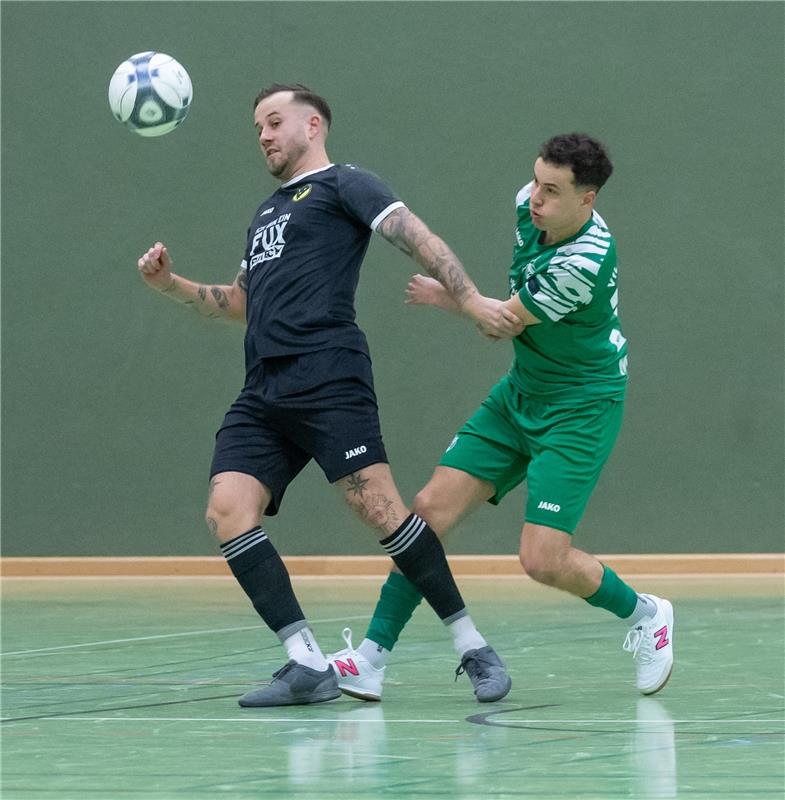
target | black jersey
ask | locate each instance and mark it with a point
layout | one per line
(303, 256)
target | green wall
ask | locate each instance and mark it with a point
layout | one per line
(111, 395)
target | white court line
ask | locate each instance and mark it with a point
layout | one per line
(255, 720)
(164, 636)
(349, 718)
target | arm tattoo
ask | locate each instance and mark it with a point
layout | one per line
(199, 301)
(242, 280)
(219, 295)
(412, 236)
(393, 228)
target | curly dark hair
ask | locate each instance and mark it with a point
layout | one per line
(302, 94)
(586, 157)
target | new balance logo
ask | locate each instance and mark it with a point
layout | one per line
(555, 507)
(662, 638)
(357, 451)
(347, 667)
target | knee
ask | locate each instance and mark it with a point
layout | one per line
(229, 513)
(219, 508)
(427, 506)
(217, 519)
(539, 566)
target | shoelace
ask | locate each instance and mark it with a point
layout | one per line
(639, 644)
(479, 672)
(284, 669)
(347, 637)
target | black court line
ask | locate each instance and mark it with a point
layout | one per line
(485, 719)
(117, 708)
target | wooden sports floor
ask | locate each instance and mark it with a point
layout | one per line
(127, 687)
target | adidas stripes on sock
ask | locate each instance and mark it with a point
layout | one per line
(263, 577)
(419, 555)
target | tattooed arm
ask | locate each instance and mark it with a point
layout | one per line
(216, 302)
(428, 292)
(411, 235)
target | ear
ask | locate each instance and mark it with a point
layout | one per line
(589, 198)
(315, 126)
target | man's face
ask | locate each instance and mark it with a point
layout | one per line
(284, 129)
(557, 204)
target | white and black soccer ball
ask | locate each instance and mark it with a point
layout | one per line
(151, 93)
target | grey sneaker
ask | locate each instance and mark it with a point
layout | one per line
(486, 672)
(294, 685)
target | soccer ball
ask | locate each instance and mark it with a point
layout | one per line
(151, 93)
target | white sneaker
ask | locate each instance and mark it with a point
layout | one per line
(651, 644)
(357, 677)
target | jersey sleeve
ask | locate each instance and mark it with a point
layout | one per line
(571, 278)
(366, 197)
(247, 251)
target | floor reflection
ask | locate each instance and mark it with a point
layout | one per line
(654, 751)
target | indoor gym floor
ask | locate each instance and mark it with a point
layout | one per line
(126, 688)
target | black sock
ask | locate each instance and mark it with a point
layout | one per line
(263, 576)
(418, 553)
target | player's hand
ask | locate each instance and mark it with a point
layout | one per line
(155, 267)
(492, 317)
(423, 291)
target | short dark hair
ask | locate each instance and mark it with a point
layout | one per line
(302, 94)
(587, 158)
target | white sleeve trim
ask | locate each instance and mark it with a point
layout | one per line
(524, 194)
(380, 217)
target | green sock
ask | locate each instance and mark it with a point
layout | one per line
(614, 595)
(397, 602)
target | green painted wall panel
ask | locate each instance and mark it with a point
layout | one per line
(111, 395)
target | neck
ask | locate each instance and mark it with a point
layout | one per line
(309, 163)
(560, 234)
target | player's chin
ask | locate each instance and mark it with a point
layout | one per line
(276, 168)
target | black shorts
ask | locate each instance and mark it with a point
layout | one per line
(318, 405)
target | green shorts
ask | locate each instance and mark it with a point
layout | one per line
(560, 451)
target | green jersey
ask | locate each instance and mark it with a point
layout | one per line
(578, 352)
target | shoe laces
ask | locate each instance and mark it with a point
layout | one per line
(346, 633)
(347, 638)
(284, 669)
(639, 644)
(474, 665)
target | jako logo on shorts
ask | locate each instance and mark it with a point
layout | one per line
(356, 451)
(549, 506)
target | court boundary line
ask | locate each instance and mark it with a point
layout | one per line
(87, 717)
(376, 566)
(156, 636)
